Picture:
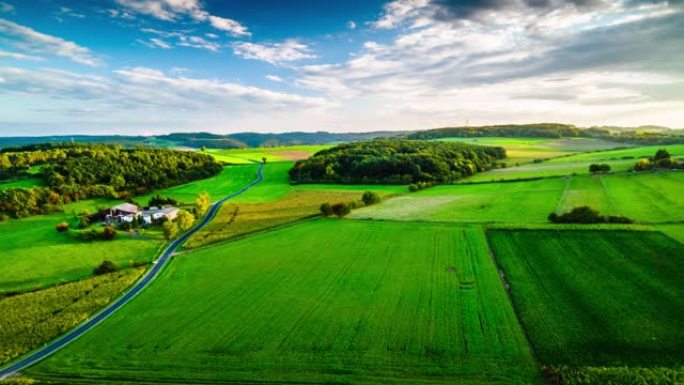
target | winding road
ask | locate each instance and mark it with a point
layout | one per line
(53, 346)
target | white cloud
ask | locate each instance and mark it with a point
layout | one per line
(19, 56)
(274, 78)
(30, 40)
(154, 42)
(287, 51)
(180, 39)
(172, 10)
(351, 24)
(198, 42)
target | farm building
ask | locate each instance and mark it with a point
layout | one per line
(155, 214)
(124, 213)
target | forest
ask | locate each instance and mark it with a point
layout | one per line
(75, 172)
(395, 162)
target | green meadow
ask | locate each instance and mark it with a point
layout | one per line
(649, 197)
(272, 154)
(347, 302)
(597, 298)
(21, 183)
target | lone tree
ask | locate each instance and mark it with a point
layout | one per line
(105, 267)
(370, 198)
(170, 230)
(202, 204)
(185, 220)
(109, 233)
(340, 209)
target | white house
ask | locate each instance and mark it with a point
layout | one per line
(125, 212)
(155, 214)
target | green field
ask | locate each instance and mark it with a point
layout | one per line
(34, 255)
(272, 154)
(525, 150)
(619, 160)
(348, 302)
(29, 320)
(645, 197)
(231, 179)
(590, 298)
(21, 183)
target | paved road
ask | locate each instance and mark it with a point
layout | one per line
(41, 353)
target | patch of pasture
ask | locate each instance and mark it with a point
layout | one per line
(34, 255)
(619, 160)
(21, 183)
(272, 154)
(597, 298)
(326, 301)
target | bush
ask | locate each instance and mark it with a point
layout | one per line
(109, 233)
(4, 217)
(62, 227)
(594, 168)
(326, 209)
(371, 198)
(340, 209)
(585, 214)
(105, 267)
(613, 376)
(84, 222)
(413, 187)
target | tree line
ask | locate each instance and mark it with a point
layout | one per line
(76, 172)
(396, 162)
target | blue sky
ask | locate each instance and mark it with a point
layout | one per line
(159, 66)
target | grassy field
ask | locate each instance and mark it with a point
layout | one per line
(231, 179)
(272, 154)
(347, 302)
(243, 218)
(525, 150)
(590, 298)
(34, 255)
(619, 160)
(645, 197)
(31, 319)
(21, 183)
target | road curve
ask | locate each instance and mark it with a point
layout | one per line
(53, 346)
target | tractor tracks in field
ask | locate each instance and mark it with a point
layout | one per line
(53, 346)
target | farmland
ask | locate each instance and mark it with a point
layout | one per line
(30, 319)
(34, 255)
(619, 160)
(644, 197)
(272, 154)
(350, 301)
(21, 183)
(591, 298)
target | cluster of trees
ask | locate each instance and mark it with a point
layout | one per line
(539, 130)
(395, 162)
(183, 222)
(595, 168)
(107, 234)
(342, 209)
(585, 214)
(661, 159)
(413, 187)
(75, 172)
(158, 201)
(105, 267)
(613, 375)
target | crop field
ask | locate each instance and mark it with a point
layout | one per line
(525, 150)
(645, 197)
(28, 320)
(34, 255)
(238, 219)
(272, 154)
(347, 302)
(619, 160)
(597, 298)
(231, 179)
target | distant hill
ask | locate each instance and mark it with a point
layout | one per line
(204, 139)
(647, 128)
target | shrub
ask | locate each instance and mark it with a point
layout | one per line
(84, 222)
(62, 227)
(109, 233)
(326, 209)
(413, 187)
(4, 217)
(371, 198)
(585, 214)
(170, 230)
(340, 209)
(105, 267)
(594, 168)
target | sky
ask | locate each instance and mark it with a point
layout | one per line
(146, 67)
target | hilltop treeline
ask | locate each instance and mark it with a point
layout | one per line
(78, 172)
(552, 130)
(395, 162)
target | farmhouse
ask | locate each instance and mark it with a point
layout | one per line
(123, 213)
(155, 214)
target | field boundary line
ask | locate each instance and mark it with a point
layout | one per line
(561, 201)
(506, 287)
